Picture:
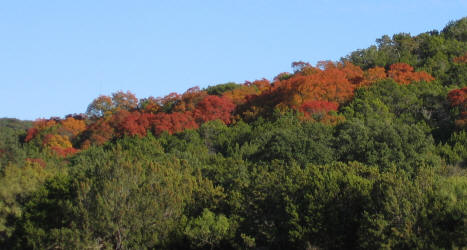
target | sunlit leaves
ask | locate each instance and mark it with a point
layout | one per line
(404, 74)
(106, 105)
(213, 108)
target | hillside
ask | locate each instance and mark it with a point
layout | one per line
(367, 152)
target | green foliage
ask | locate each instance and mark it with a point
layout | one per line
(17, 185)
(12, 131)
(454, 152)
(456, 30)
(220, 89)
(207, 230)
(432, 52)
(426, 213)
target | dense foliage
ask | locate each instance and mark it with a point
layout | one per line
(366, 153)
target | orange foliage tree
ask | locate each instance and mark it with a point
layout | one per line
(212, 108)
(106, 105)
(320, 111)
(374, 74)
(131, 123)
(173, 123)
(461, 59)
(458, 100)
(328, 81)
(189, 99)
(57, 134)
(404, 74)
(73, 126)
(98, 133)
(240, 95)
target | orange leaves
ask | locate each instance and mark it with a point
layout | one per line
(189, 99)
(38, 126)
(319, 111)
(64, 152)
(328, 81)
(314, 91)
(461, 59)
(73, 126)
(335, 84)
(57, 134)
(173, 123)
(317, 106)
(404, 74)
(131, 123)
(240, 95)
(458, 99)
(32, 132)
(56, 140)
(353, 73)
(212, 108)
(98, 133)
(186, 112)
(105, 105)
(124, 101)
(101, 106)
(59, 144)
(375, 74)
(149, 105)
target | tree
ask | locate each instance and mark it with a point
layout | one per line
(213, 108)
(207, 230)
(101, 106)
(173, 123)
(404, 74)
(106, 105)
(458, 100)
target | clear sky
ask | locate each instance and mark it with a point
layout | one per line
(57, 56)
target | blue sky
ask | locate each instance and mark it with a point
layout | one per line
(57, 56)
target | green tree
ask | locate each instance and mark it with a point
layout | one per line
(207, 230)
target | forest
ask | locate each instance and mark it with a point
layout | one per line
(368, 152)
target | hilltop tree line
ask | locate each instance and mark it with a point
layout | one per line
(367, 152)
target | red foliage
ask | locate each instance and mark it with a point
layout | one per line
(458, 98)
(311, 107)
(212, 108)
(168, 102)
(149, 105)
(300, 65)
(64, 152)
(131, 123)
(124, 101)
(32, 132)
(189, 99)
(98, 133)
(173, 123)
(106, 105)
(240, 95)
(404, 74)
(461, 59)
(40, 125)
(282, 76)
